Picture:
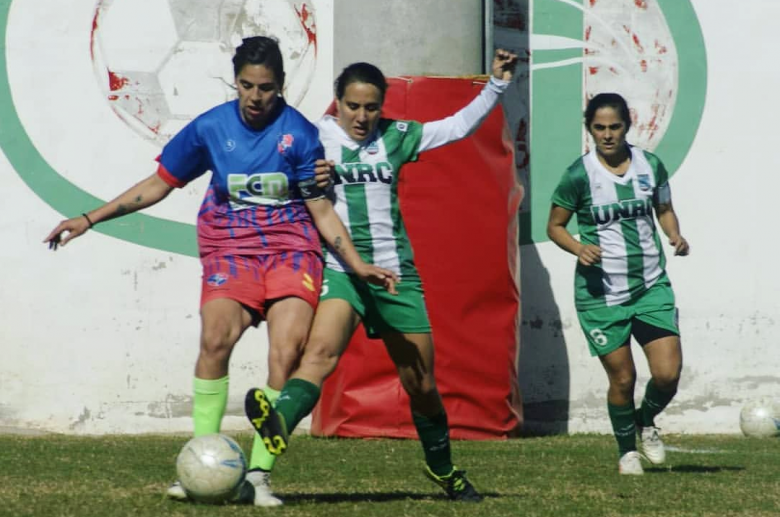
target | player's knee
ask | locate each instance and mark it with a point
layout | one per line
(216, 343)
(623, 382)
(667, 380)
(319, 358)
(419, 385)
(284, 358)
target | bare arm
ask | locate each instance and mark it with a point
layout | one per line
(670, 225)
(141, 195)
(587, 254)
(333, 231)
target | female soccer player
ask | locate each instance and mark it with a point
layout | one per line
(257, 233)
(368, 152)
(621, 286)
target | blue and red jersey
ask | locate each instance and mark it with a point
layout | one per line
(253, 205)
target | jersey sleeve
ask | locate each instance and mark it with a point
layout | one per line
(307, 151)
(466, 121)
(184, 157)
(566, 194)
(663, 192)
(662, 195)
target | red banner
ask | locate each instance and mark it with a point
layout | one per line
(460, 206)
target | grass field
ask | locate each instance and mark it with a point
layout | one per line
(56, 475)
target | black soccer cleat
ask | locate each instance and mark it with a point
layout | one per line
(456, 485)
(268, 423)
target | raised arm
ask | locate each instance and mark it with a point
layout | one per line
(141, 195)
(335, 234)
(467, 120)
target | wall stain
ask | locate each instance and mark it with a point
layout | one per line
(173, 406)
(81, 419)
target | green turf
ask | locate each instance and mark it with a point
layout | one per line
(560, 476)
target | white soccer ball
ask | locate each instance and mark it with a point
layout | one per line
(211, 468)
(760, 418)
(160, 63)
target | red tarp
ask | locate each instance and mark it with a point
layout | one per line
(460, 206)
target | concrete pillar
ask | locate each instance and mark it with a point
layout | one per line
(410, 37)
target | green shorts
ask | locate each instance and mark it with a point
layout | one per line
(380, 311)
(609, 328)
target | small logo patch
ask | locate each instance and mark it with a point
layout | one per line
(644, 181)
(230, 146)
(285, 142)
(308, 282)
(372, 148)
(217, 279)
(402, 126)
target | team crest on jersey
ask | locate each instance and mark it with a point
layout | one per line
(285, 142)
(217, 279)
(644, 181)
(402, 126)
(372, 148)
(230, 145)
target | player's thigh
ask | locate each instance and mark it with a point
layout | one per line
(289, 320)
(223, 321)
(334, 324)
(619, 367)
(413, 357)
(656, 328)
(664, 358)
(606, 329)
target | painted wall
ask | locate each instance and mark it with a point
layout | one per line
(102, 336)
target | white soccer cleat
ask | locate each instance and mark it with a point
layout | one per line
(261, 480)
(651, 445)
(630, 464)
(176, 492)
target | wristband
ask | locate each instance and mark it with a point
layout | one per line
(91, 224)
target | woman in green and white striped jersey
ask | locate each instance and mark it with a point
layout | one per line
(367, 153)
(621, 286)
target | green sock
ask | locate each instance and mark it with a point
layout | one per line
(624, 426)
(209, 401)
(654, 402)
(434, 433)
(261, 458)
(297, 400)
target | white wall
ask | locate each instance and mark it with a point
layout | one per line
(102, 335)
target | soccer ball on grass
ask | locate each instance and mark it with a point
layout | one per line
(760, 418)
(211, 468)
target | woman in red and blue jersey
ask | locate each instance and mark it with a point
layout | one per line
(259, 230)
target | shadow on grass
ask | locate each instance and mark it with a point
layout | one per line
(374, 497)
(692, 469)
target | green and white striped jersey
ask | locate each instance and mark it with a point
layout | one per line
(366, 191)
(366, 182)
(615, 213)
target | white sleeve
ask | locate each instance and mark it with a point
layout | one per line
(464, 122)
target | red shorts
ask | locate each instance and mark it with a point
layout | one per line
(255, 280)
